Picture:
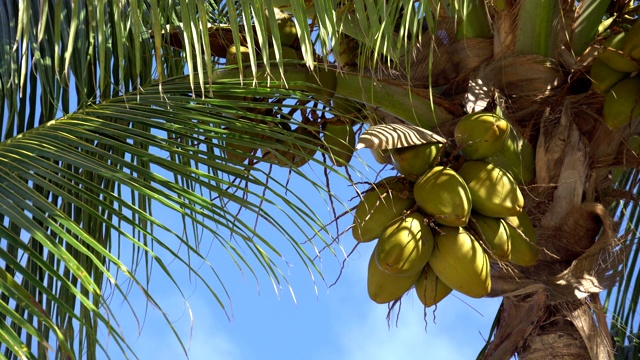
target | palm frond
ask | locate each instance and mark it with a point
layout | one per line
(80, 187)
(536, 29)
(87, 183)
(622, 300)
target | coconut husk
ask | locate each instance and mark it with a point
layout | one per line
(539, 310)
(626, 156)
(579, 116)
(535, 329)
(523, 76)
(526, 82)
(565, 54)
(603, 142)
(470, 54)
(551, 144)
(606, 150)
(582, 225)
(478, 96)
(594, 271)
(518, 319)
(585, 112)
(430, 63)
(450, 59)
(570, 183)
(582, 249)
(597, 267)
(591, 322)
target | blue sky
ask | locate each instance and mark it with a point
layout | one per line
(339, 322)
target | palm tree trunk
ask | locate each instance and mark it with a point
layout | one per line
(552, 310)
(557, 339)
(535, 329)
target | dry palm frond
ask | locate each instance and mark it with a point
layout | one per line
(454, 61)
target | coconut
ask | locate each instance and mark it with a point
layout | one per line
(613, 56)
(429, 288)
(405, 245)
(621, 105)
(459, 261)
(442, 193)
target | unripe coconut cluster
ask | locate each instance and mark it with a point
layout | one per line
(297, 145)
(439, 223)
(613, 73)
(336, 135)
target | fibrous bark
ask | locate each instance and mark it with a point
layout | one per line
(552, 310)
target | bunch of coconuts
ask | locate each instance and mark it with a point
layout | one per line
(614, 73)
(440, 222)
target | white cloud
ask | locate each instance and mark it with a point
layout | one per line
(369, 337)
(211, 344)
(343, 324)
(204, 337)
(458, 331)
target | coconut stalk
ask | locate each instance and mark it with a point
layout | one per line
(473, 20)
(585, 27)
(536, 32)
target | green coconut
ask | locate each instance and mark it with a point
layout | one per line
(621, 105)
(480, 135)
(404, 245)
(415, 160)
(443, 194)
(613, 56)
(383, 203)
(604, 77)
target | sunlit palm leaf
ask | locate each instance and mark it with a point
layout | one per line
(77, 189)
(585, 28)
(166, 150)
(91, 179)
(393, 136)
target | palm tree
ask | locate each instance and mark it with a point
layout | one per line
(115, 109)
(99, 135)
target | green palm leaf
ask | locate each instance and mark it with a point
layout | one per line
(622, 300)
(78, 185)
(166, 150)
(113, 110)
